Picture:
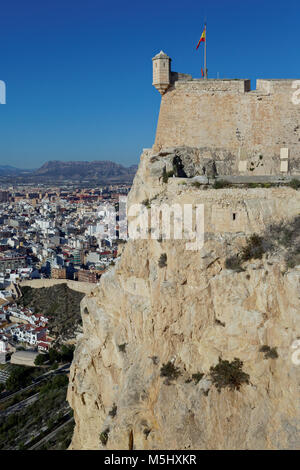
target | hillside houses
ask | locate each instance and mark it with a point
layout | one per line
(22, 325)
(30, 334)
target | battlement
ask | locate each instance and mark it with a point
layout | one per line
(274, 85)
(244, 131)
(165, 79)
(215, 85)
(235, 85)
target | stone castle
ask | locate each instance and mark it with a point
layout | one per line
(246, 132)
(235, 299)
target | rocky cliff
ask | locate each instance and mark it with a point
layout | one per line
(185, 349)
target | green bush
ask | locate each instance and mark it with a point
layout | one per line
(113, 411)
(254, 248)
(284, 235)
(146, 203)
(122, 347)
(219, 184)
(54, 355)
(41, 359)
(197, 377)
(292, 260)
(234, 263)
(270, 353)
(170, 371)
(104, 436)
(56, 383)
(295, 184)
(162, 262)
(165, 175)
(228, 374)
(20, 377)
(67, 352)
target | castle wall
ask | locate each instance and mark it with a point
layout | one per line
(246, 132)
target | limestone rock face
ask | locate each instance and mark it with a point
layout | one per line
(191, 311)
(190, 162)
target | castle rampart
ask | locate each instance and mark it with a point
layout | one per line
(246, 132)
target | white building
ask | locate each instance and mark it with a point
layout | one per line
(3, 346)
(27, 334)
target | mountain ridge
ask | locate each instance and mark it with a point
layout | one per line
(56, 170)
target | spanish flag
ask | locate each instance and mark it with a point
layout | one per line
(202, 37)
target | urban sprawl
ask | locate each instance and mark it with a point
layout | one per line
(51, 233)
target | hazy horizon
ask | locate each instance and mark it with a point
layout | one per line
(66, 161)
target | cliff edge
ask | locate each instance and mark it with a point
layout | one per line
(193, 349)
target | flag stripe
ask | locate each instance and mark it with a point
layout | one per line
(201, 39)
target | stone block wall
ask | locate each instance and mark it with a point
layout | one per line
(246, 132)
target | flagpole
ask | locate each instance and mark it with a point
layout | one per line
(205, 69)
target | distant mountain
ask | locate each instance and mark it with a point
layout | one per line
(11, 170)
(57, 171)
(90, 170)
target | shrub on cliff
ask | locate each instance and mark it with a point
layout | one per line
(228, 374)
(270, 353)
(292, 260)
(165, 175)
(146, 203)
(162, 262)
(234, 263)
(254, 248)
(122, 347)
(197, 377)
(295, 184)
(104, 436)
(113, 411)
(219, 184)
(169, 371)
(284, 236)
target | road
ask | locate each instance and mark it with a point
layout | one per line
(39, 379)
(50, 435)
(20, 405)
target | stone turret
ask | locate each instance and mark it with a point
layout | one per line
(161, 72)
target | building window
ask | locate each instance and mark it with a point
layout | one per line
(234, 216)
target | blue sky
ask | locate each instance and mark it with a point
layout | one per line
(79, 73)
